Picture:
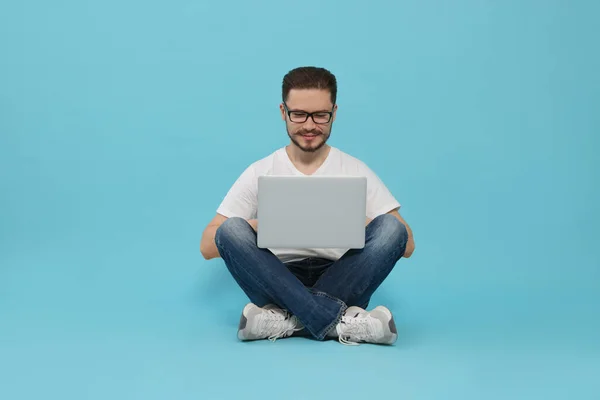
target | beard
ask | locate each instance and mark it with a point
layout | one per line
(310, 148)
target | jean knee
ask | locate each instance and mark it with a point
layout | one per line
(390, 231)
(232, 230)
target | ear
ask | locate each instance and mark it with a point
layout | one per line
(282, 109)
(335, 107)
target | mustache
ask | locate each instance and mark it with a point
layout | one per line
(307, 132)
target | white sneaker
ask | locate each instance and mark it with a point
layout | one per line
(358, 325)
(269, 322)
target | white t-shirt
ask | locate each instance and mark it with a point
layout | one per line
(241, 199)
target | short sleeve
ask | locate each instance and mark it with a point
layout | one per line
(379, 198)
(241, 199)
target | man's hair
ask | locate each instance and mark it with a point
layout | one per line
(309, 78)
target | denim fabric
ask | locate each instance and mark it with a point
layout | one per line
(316, 291)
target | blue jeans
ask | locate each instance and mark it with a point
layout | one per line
(316, 291)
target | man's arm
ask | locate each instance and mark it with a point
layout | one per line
(410, 244)
(208, 248)
(240, 201)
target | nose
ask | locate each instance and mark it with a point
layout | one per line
(309, 124)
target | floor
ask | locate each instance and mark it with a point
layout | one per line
(129, 325)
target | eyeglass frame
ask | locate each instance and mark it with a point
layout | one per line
(309, 115)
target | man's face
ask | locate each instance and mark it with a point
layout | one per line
(308, 134)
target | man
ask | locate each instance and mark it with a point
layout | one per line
(320, 292)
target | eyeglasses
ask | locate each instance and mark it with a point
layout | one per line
(319, 117)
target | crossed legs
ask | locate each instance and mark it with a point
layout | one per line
(349, 281)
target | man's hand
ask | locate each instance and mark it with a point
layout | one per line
(254, 224)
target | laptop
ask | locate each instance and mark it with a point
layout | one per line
(298, 212)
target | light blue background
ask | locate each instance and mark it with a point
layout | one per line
(123, 124)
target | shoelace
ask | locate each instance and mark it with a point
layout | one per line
(278, 324)
(355, 329)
